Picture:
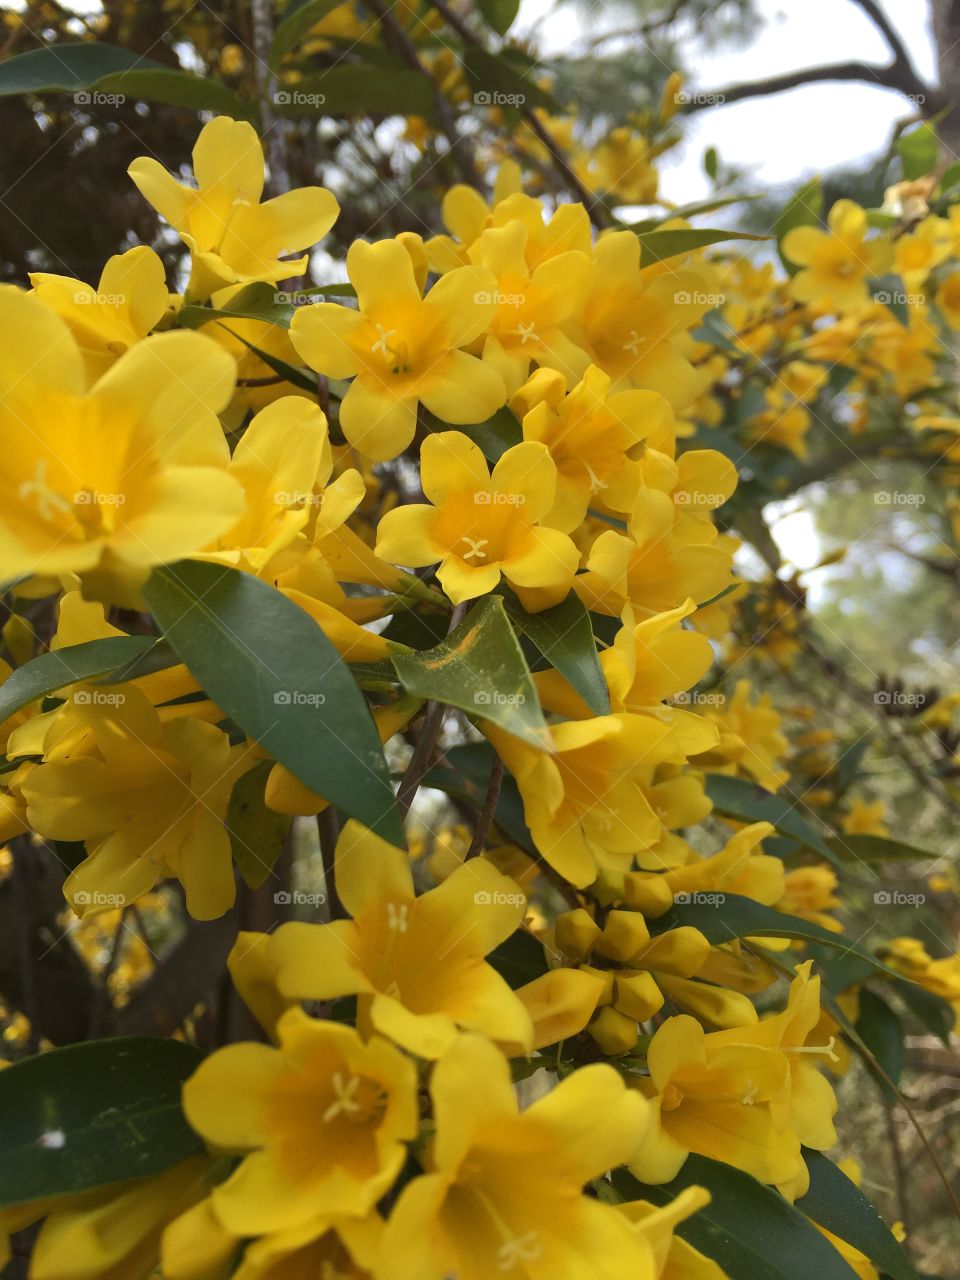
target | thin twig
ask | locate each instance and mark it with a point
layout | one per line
(328, 828)
(482, 829)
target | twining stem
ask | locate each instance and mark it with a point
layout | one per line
(485, 817)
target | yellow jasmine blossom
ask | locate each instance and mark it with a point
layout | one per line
(714, 1098)
(401, 348)
(835, 263)
(483, 525)
(750, 738)
(233, 238)
(416, 963)
(503, 1190)
(675, 1259)
(321, 1122)
(865, 817)
(129, 301)
(129, 475)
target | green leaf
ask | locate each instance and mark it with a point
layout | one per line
(519, 959)
(296, 377)
(496, 82)
(297, 23)
(891, 291)
(749, 1230)
(61, 667)
(877, 849)
(836, 1203)
(465, 772)
(565, 638)
(255, 302)
(881, 1031)
(934, 1012)
(159, 657)
(70, 67)
(495, 436)
(274, 672)
(847, 768)
(92, 1114)
(738, 798)
(918, 151)
(353, 90)
(500, 14)
(951, 177)
(715, 330)
(256, 832)
(804, 209)
(480, 668)
(711, 163)
(722, 917)
(657, 246)
(178, 89)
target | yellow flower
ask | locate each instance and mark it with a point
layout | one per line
(233, 238)
(401, 348)
(504, 1189)
(110, 482)
(320, 1121)
(417, 964)
(675, 1259)
(865, 817)
(148, 799)
(482, 526)
(836, 262)
(750, 738)
(594, 437)
(129, 301)
(713, 1098)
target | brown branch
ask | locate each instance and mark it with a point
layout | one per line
(328, 829)
(892, 76)
(485, 818)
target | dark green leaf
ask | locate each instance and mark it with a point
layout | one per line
(564, 636)
(360, 91)
(500, 14)
(657, 246)
(61, 667)
(94, 1113)
(159, 657)
(738, 798)
(848, 764)
(934, 1012)
(715, 330)
(296, 377)
(520, 959)
(891, 291)
(178, 88)
(497, 83)
(721, 917)
(918, 151)
(804, 209)
(256, 832)
(876, 849)
(749, 1230)
(881, 1031)
(711, 163)
(269, 666)
(480, 668)
(70, 67)
(255, 302)
(840, 1206)
(298, 21)
(496, 435)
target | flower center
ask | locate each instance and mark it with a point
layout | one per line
(671, 1098)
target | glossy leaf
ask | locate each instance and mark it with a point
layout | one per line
(881, 1030)
(877, 849)
(565, 638)
(178, 89)
(658, 246)
(918, 151)
(68, 67)
(840, 1206)
(480, 668)
(274, 672)
(93, 1113)
(749, 1230)
(297, 23)
(58, 668)
(354, 90)
(738, 798)
(500, 14)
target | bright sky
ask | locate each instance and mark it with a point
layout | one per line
(787, 136)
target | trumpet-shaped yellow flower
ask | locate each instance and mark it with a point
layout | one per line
(503, 1191)
(675, 1258)
(835, 263)
(110, 482)
(233, 238)
(483, 525)
(402, 349)
(714, 1098)
(750, 738)
(130, 300)
(865, 817)
(417, 964)
(320, 1121)
(594, 437)
(148, 799)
